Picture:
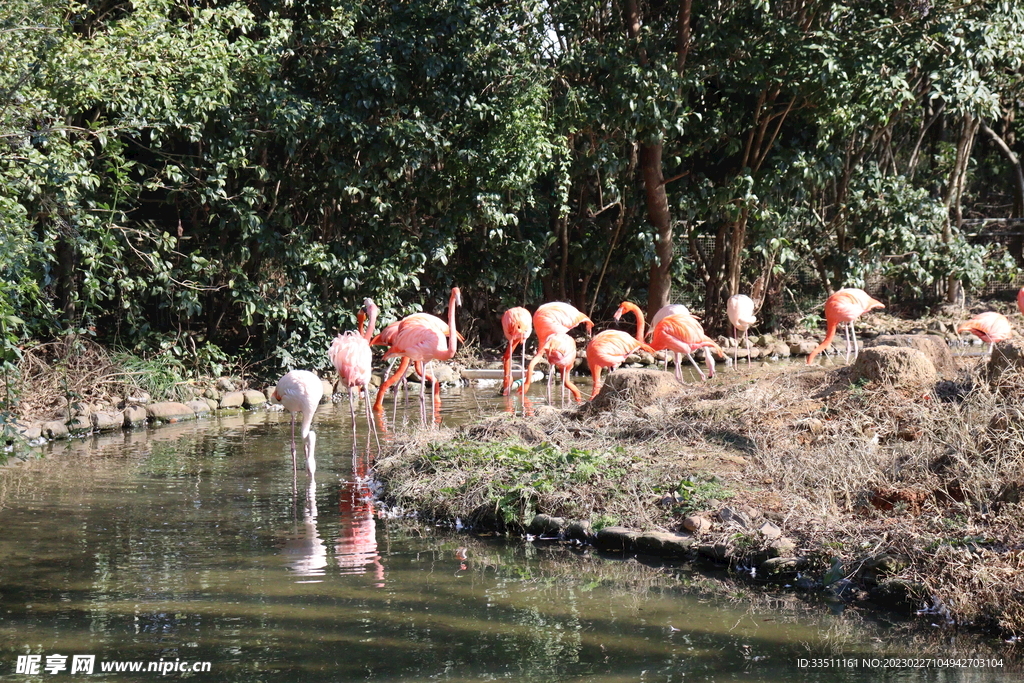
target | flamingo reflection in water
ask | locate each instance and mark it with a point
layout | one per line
(304, 550)
(356, 549)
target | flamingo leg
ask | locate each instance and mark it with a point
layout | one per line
(370, 425)
(595, 372)
(394, 404)
(550, 376)
(853, 333)
(703, 377)
(524, 363)
(736, 349)
(423, 398)
(352, 409)
(294, 465)
(435, 405)
(506, 364)
(746, 339)
(571, 387)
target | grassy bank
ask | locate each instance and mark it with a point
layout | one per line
(908, 493)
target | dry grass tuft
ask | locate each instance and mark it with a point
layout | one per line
(58, 376)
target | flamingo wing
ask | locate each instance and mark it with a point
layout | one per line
(418, 343)
(990, 327)
(352, 358)
(611, 347)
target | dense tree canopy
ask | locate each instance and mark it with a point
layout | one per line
(208, 177)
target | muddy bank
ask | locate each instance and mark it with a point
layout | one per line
(894, 481)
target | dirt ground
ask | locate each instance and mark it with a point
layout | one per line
(875, 481)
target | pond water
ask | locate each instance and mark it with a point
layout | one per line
(192, 544)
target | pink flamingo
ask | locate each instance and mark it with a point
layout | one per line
(560, 353)
(1020, 300)
(989, 327)
(682, 333)
(423, 342)
(677, 309)
(844, 306)
(610, 348)
(553, 318)
(517, 325)
(300, 391)
(386, 338)
(740, 309)
(352, 357)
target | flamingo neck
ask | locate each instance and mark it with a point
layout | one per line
(307, 422)
(639, 322)
(829, 336)
(371, 325)
(453, 336)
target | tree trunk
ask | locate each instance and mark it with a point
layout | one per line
(660, 288)
(1016, 244)
(954, 191)
(1018, 172)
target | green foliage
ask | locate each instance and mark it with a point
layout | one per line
(695, 493)
(241, 176)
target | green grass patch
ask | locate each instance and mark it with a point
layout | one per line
(519, 481)
(696, 492)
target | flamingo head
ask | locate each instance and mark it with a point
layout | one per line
(627, 307)
(367, 311)
(277, 394)
(457, 294)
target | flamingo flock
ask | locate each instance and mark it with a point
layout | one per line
(421, 340)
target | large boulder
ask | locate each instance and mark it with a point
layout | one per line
(894, 365)
(55, 430)
(232, 399)
(134, 416)
(29, 431)
(253, 398)
(199, 406)
(169, 411)
(1006, 366)
(107, 422)
(932, 346)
